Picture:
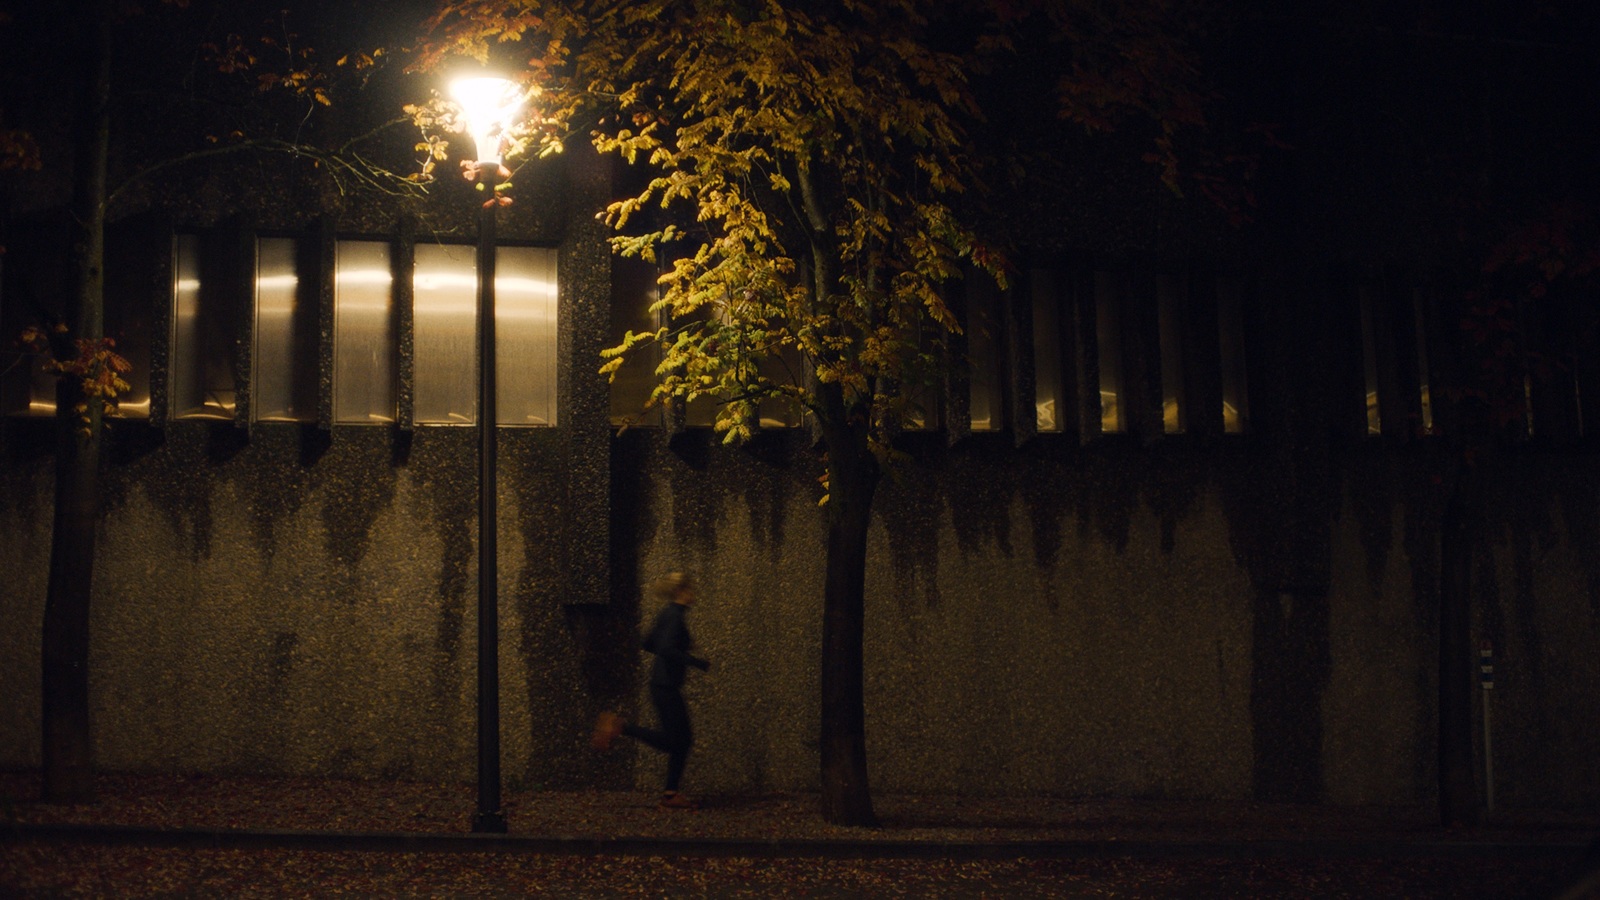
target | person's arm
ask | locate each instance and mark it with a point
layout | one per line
(671, 640)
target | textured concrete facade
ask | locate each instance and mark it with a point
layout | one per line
(1040, 620)
(1040, 623)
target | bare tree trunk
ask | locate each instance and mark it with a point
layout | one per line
(67, 740)
(852, 482)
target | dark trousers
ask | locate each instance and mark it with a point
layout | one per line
(674, 737)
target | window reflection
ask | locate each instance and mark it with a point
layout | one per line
(364, 334)
(129, 323)
(1424, 391)
(29, 390)
(203, 333)
(444, 343)
(983, 353)
(1171, 295)
(782, 367)
(525, 336)
(633, 291)
(1369, 361)
(1230, 325)
(284, 386)
(1046, 351)
(1108, 339)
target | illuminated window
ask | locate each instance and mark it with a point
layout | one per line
(284, 384)
(364, 334)
(985, 407)
(1230, 327)
(1108, 340)
(525, 336)
(1171, 295)
(1047, 399)
(1394, 351)
(445, 339)
(1424, 390)
(782, 368)
(444, 342)
(1369, 361)
(204, 333)
(924, 388)
(633, 291)
(29, 389)
(126, 321)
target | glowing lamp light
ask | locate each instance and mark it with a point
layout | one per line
(488, 105)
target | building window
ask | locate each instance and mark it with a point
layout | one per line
(1394, 359)
(284, 383)
(1171, 298)
(204, 332)
(782, 366)
(445, 339)
(525, 336)
(285, 365)
(1108, 341)
(1369, 361)
(128, 320)
(1424, 389)
(1235, 383)
(444, 342)
(364, 334)
(1085, 339)
(633, 292)
(985, 401)
(1050, 414)
(29, 389)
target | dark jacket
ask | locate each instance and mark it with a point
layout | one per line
(669, 640)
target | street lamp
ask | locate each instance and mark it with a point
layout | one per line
(487, 105)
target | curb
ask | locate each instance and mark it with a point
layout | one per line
(445, 842)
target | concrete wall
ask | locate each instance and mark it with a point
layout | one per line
(1049, 619)
(1011, 649)
(1086, 622)
(264, 614)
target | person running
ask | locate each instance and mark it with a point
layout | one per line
(669, 640)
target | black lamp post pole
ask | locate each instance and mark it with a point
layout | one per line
(490, 818)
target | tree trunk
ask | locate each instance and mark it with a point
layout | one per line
(67, 743)
(852, 481)
(1458, 802)
(67, 740)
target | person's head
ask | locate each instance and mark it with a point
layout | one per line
(675, 587)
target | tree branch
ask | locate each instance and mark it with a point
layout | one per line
(359, 166)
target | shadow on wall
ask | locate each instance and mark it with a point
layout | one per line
(704, 476)
(1100, 487)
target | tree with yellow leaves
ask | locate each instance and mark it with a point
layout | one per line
(809, 166)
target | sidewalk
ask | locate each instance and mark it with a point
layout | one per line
(241, 812)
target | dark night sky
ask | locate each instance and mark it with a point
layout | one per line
(1376, 96)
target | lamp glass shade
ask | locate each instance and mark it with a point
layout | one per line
(488, 105)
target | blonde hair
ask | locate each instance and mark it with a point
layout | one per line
(667, 587)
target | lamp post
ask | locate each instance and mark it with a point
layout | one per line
(487, 105)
